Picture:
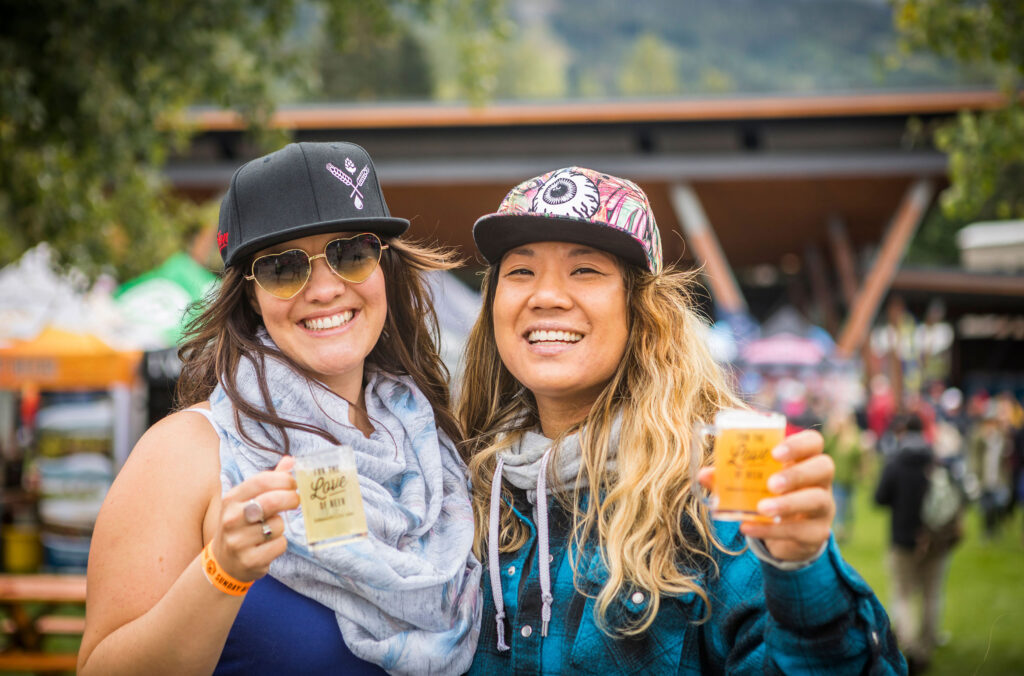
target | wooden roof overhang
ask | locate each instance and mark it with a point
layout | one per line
(771, 172)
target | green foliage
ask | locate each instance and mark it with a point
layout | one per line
(532, 65)
(986, 164)
(985, 149)
(716, 81)
(972, 31)
(372, 67)
(92, 96)
(649, 68)
(463, 39)
(747, 46)
(87, 91)
(409, 50)
(935, 241)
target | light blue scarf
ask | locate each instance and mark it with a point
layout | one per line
(407, 598)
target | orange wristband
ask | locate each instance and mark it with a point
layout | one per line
(218, 578)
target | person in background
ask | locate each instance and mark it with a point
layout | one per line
(586, 374)
(321, 333)
(917, 560)
(843, 445)
(803, 414)
(988, 463)
(1017, 457)
(951, 422)
(1011, 417)
(880, 408)
(919, 406)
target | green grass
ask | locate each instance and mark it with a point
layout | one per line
(984, 604)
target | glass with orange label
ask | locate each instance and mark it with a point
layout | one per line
(329, 499)
(742, 446)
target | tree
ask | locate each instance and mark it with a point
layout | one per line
(650, 68)
(533, 65)
(986, 148)
(93, 96)
(376, 68)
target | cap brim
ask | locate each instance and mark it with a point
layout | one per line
(383, 226)
(496, 234)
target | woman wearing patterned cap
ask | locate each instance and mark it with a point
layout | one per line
(585, 374)
(320, 334)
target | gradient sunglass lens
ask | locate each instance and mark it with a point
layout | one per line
(284, 274)
(355, 258)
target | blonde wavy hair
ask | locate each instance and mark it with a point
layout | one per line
(652, 530)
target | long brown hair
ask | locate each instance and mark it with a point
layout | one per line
(652, 530)
(225, 331)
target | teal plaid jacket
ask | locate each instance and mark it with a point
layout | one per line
(821, 619)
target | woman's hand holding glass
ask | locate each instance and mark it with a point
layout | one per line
(246, 545)
(803, 507)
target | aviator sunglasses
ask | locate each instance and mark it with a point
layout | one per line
(284, 274)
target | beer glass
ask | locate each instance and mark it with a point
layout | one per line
(742, 446)
(329, 499)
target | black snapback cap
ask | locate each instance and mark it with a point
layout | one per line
(302, 189)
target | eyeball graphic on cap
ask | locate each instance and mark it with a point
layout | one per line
(567, 193)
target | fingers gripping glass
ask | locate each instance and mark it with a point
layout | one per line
(284, 274)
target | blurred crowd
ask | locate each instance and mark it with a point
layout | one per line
(938, 456)
(979, 438)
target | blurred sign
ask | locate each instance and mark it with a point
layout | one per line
(998, 327)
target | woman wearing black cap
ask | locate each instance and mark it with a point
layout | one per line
(320, 334)
(586, 375)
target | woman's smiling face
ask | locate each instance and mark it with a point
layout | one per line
(560, 321)
(331, 325)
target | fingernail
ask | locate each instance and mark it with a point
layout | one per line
(780, 452)
(768, 507)
(776, 483)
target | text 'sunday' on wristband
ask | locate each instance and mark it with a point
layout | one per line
(220, 579)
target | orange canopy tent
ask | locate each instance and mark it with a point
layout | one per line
(58, 359)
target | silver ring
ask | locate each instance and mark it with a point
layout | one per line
(253, 512)
(267, 533)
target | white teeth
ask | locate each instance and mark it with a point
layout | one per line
(323, 323)
(553, 336)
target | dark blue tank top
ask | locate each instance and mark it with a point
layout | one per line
(279, 631)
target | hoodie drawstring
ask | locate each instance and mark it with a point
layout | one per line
(542, 544)
(542, 550)
(492, 555)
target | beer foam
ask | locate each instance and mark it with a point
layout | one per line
(736, 418)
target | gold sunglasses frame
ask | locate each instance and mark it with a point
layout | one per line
(251, 277)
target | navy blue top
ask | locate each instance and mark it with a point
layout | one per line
(279, 631)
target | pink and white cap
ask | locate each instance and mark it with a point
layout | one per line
(574, 205)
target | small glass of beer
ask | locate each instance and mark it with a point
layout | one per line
(329, 499)
(742, 448)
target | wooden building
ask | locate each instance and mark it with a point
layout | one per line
(805, 199)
